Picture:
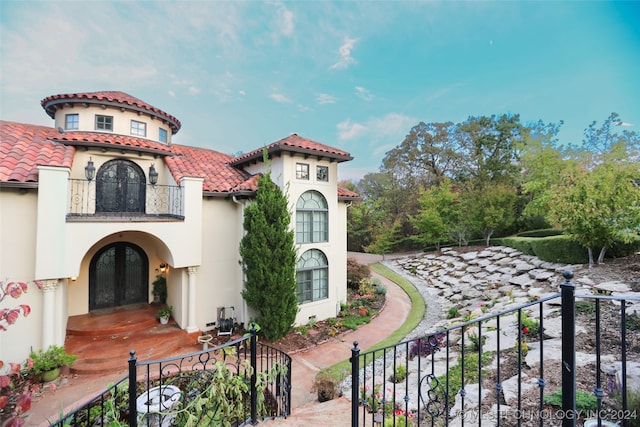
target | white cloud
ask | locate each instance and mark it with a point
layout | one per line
(345, 54)
(193, 90)
(303, 108)
(363, 93)
(278, 97)
(242, 92)
(172, 94)
(348, 130)
(392, 128)
(325, 98)
(285, 21)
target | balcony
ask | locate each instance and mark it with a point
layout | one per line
(93, 201)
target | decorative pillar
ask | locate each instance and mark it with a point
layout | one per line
(49, 312)
(191, 300)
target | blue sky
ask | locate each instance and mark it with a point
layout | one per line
(353, 75)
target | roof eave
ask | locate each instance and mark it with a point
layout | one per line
(257, 156)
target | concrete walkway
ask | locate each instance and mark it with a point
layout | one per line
(306, 410)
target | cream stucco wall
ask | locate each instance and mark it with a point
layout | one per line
(121, 121)
(18, 212)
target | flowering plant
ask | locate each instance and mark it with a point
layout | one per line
(15, 392)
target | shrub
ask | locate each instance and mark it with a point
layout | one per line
(427, 345)
(356, 272)
(52, 358)
(585, 402)
(399, 375)
(452, 312)
(545, 232)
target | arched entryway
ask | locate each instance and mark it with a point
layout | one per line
(118, 275)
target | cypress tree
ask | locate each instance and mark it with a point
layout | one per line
(269, 260)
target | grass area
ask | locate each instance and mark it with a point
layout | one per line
(336, 372)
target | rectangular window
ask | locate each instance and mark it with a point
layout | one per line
(302, 171)
(138, 128)
(322, 173)
(71, 121)
(104, 122)
(312, 285)
(162, 135)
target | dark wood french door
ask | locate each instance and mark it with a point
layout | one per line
(120, 187)
(118, 275)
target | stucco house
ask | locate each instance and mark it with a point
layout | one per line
(101, 203)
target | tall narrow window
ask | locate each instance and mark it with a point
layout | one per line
(312, 276)
(312, 218)
(104, 122)
(162, 135)
(71, 121)
(138, 128)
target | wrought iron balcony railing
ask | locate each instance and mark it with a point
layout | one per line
(144, 202)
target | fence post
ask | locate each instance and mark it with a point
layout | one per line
(568, 295)
(133, 375)
(355, 383)
(254, 369)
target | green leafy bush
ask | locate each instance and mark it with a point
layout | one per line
(585, 402)
(546, 232)
(52, 358)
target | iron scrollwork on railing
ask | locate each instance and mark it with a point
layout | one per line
(153, 201)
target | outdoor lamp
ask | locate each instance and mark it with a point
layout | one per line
(89, 170)
(153, 175)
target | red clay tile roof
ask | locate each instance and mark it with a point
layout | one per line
(344, 194)
(296, 144)
(219, 176)
(25, 147)
(108, 97)
(100, 139)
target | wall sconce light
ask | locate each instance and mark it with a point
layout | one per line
(74, 278)
(163, 267)
(153, 175)
(89, 170)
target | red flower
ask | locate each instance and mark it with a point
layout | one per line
(4, 380)
(3, 401)
(525, 330)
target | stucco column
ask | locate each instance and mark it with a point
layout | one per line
(48, 312)
(191, 300)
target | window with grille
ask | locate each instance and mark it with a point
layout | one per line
(312, 218)
(312, 276)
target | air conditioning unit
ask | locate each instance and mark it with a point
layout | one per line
(226, 319)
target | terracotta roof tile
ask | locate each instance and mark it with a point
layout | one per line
(25, 147)
(107, 96)
(219, 176)
(296, 144)
(343, 193)
(97, 139)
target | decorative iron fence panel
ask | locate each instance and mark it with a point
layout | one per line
(240, 382)
(161, 201)
(518, 367)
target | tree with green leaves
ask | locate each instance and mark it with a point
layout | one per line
(269, 260)
(438, 216)
(597, 202)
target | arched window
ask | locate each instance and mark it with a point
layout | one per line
(312, 218)
(120, 187)
(313, 276)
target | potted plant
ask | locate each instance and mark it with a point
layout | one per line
(47, 364)
(164, 314)
(159, 289)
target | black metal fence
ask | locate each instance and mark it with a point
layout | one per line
(160, 201)
(505, 369)
(235, 384)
